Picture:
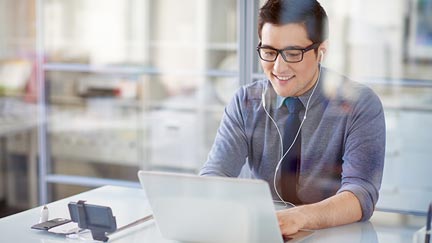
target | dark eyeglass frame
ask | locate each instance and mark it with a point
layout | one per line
(280, 51)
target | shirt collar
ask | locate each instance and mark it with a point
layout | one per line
(280, 101)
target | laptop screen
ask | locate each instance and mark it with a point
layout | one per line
(211, 209)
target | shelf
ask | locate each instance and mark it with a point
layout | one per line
(185, 108)
(81, 101)
(78, 67)
(66, 100)
(133, 70)
(222, 46)
(148, 105)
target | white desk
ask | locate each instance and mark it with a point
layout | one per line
(129, 204)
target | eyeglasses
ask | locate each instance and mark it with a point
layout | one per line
(289, 54)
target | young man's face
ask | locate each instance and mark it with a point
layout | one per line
(289, 79)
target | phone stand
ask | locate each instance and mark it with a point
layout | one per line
(98, 219)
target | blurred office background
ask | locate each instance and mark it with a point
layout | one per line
(91, 91)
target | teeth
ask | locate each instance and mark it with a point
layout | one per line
(284, 77)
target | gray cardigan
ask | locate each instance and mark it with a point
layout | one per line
(343, 139)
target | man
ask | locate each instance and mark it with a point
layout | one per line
(331, 164)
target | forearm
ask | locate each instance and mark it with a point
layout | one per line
(339, 209)
(343, 208)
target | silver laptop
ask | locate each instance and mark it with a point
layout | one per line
(211, 209)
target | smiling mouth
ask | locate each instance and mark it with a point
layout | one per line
(284, 78)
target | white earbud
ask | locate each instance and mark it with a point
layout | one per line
(321, 56)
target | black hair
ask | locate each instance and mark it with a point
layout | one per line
(307, 12)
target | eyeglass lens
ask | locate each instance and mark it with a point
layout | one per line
(270, 55)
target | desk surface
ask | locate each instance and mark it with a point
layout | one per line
(129, 204)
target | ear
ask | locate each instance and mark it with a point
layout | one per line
(322, 49)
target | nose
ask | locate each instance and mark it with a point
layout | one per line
(279, 64)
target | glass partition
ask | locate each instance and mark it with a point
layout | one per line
(386, 45)
(18, 107)
(142, 84)
(135, 85)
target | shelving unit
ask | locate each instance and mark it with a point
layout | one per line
(175, 58)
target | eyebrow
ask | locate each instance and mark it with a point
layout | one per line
(285, 48)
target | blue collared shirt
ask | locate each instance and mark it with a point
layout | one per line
(342, 139)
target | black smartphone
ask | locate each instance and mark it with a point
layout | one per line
(50, 224)
(95, 216)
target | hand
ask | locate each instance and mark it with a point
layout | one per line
(342, 208)
(291, 220)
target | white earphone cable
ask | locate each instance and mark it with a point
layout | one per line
(280, 136)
